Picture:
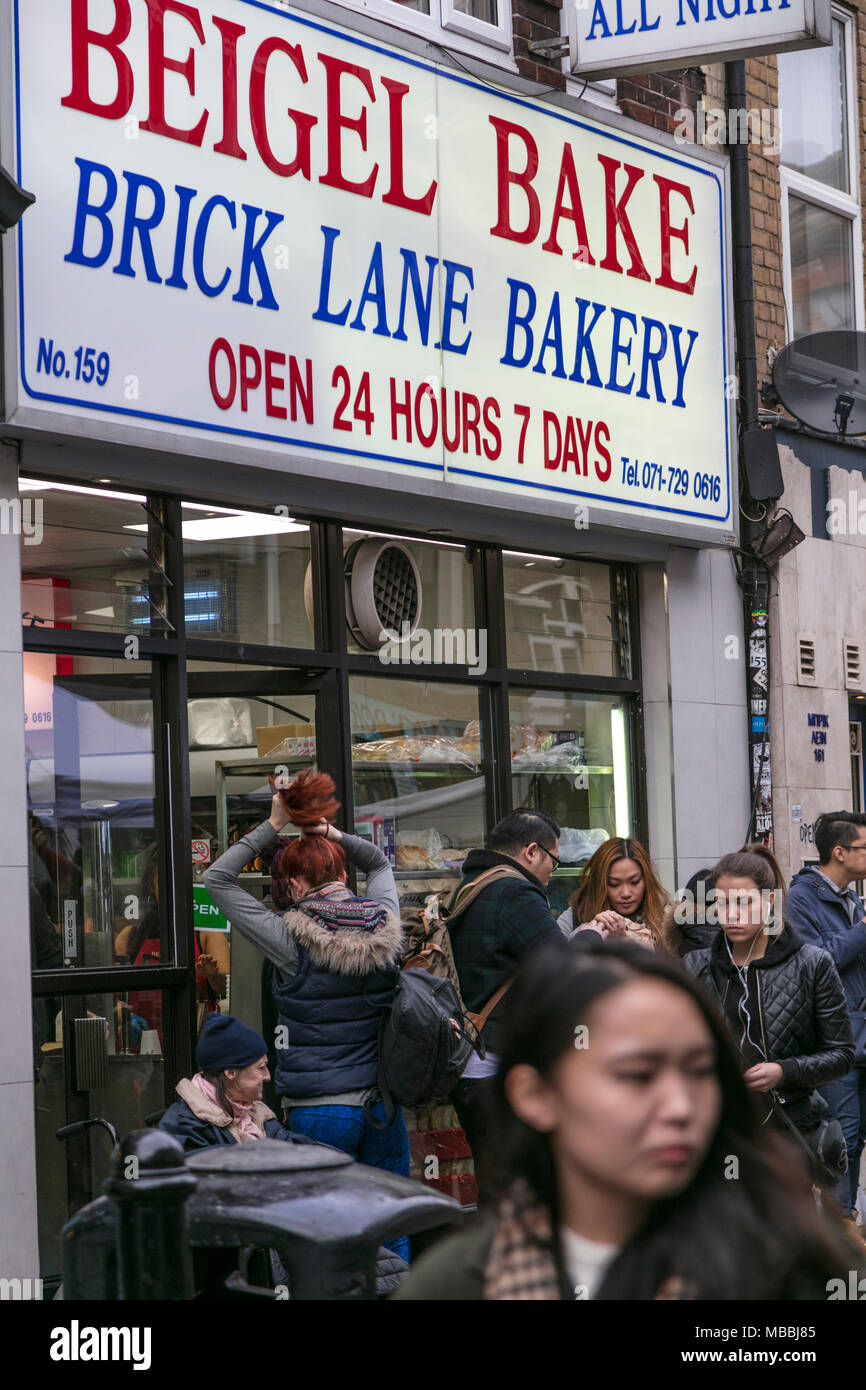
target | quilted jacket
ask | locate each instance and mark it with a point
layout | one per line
(797, 1009)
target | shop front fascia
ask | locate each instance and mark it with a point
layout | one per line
(201, 607)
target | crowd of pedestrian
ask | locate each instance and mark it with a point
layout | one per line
(665, 1099)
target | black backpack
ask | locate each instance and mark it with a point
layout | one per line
(423, 1042)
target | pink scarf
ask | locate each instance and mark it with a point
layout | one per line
(242, 1114)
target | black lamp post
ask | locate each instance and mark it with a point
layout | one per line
(14, 200)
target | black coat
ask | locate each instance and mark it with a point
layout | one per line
(798, 1013)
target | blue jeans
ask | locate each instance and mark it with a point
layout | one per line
(346, 1127)
(847, 1101)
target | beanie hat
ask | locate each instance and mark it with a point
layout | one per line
(226, 1042)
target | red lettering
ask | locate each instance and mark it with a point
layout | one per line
(303, 122)
(569, 452)
(572, 210)
(426, 392)
(249, 380)
(616, 218)
(491, 416)
(397, 195)
(83, 39)
(666, 188)
(585, 437)
(274, 382)
(158, 65)
(401, 408)
(220, 345)
(505, 175)
(338, 122)
(551, 460)
(301, 390)
(230, 34)
(470, 424)
(602, 473)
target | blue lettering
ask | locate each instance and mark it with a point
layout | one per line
(651, 358)
(598, 18)
(369, 295)
(452, 269)
(681, 364)
(132, 223)
(584, 345)
(515, 320)
(695, 9)
(618, 349)
(185, 197)
(323, 313)
(645, 27)
(728, 14)
(201, 231)
(84, 209)
(423, 303)
(552, 338)
(619, 27)
(252, 256)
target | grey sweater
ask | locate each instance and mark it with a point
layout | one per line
(268, 930)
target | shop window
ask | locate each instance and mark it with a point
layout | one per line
(418, 786)
(94, 883)
(821, 225)
(247, 577)
(570, 757)
(398, 586)
(567, 616)
(84, 560)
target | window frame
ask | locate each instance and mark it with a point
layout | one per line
(444, 25)
(823, 195)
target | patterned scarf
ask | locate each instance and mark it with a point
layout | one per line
(347, 914)
(524, 1262)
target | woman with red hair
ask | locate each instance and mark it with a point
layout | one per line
(336, 958)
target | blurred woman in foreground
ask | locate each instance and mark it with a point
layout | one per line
(621, 1112)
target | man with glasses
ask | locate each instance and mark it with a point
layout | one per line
(490, 938)
(826, 910)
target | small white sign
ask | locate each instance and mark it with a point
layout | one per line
(611, 37)
(201, 851)
(70, 928)
(797, 814)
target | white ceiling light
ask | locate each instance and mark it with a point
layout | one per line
(232, 525)
(35, 485)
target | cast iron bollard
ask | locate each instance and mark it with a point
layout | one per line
(150, 1185)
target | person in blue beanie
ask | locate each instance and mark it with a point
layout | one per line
(222, 1103)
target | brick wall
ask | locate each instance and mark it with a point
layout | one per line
(532, 21)
(655, 99)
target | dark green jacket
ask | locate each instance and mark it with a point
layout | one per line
(453, 1271)
(494, 934)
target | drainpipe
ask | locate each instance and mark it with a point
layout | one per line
(754, 576)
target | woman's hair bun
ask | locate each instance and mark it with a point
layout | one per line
(310, 798)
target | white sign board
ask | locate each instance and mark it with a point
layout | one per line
(260, 233)
(612, 37)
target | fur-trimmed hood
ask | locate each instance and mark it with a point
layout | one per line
(347, 952)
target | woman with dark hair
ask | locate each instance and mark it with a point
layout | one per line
(621, 1110)
(335, 960)
(620, 895)
(782, 998)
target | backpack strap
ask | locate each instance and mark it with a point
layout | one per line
(479, 1020)
(466, 894)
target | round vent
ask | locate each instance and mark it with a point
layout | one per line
(383, 591)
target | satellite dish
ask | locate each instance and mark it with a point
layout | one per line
(821, 379)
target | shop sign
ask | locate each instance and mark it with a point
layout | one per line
(206, 914)
(611, 37)
(271, 240)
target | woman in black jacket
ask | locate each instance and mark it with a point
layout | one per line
(782, 998)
